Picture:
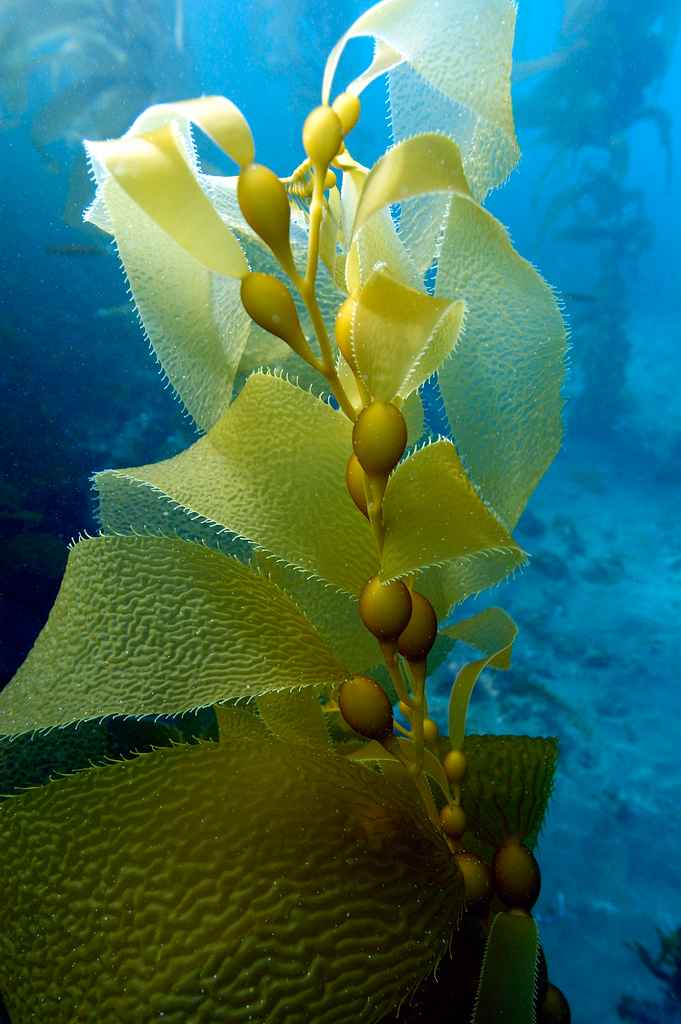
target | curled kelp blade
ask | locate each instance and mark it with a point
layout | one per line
(192, 313)
(491, 632)
(450, 525)
(418, 166)
(147, 625)
(507, 984)
(206, 881)
(219, 118)
(459, 51)
(284, 491)
(175, 233)
(154, 169)
(501, 388)
(427, 165)
(400, 335)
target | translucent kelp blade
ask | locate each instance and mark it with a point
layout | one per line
(194, 318)
(375, 241)
(155, 171)
(332, 613)
(440, 347)
(461, 51)
(295, 717)
(240, 724)
(378, 242)
(508, 786)
(215, 875)
(392, 328)
(507, 982)
(284, 490)
(418, 166)
(502, 386)
(432, 514)
(145, 625)
(448, 585)
(492, 632)
(219, 118)
(128, 507)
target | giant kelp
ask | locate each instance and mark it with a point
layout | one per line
(315, 863)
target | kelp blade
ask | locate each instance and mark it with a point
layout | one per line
(433, 515)
(506, 991)
(508, 787)
(461, 52)
(155, 172)
(501, 388)
(217, 883)
(288, 476)
(146, 625)
(492, 632)
(392, 329)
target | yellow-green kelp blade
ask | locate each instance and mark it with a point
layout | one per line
(376, 239)
(154, 170)
(501, 388)
(130, 508)
(193, 316)
(418, 166)
(459, 52)
(273, 472)
(509, 785)
(433, 515)
(492, 632)
(420, 174)
(332, 613)
(507, 982)
(220, 882)
(400, 335)
(146, 625)
(219, 118)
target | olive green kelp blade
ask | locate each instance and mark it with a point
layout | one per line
(501, 387)
(506, 990)
(508, 787)
(220, 883)
(146, 625)
(491, 632)
(273, 472)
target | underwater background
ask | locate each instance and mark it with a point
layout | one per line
(596, 205)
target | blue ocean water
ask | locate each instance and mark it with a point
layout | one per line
(595, 205)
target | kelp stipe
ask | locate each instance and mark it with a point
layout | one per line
(293, 570)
